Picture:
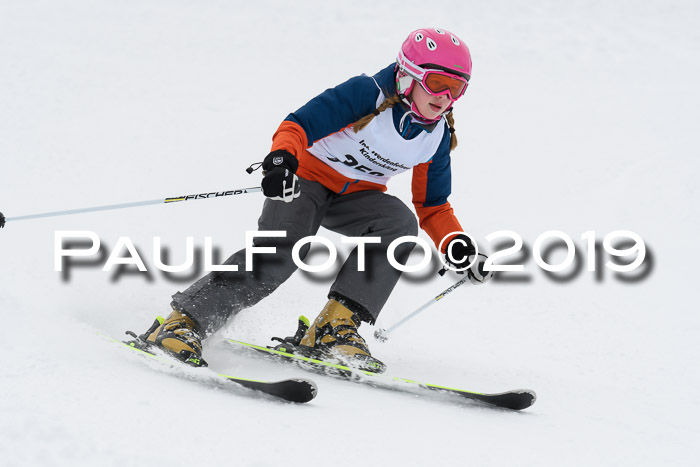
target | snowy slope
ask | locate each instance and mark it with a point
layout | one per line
(580, 116)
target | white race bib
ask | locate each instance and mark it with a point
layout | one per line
(377, 152)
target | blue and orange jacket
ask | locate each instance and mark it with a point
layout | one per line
(339, 108)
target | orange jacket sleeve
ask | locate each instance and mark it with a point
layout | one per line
(435, 216)
(290, 136)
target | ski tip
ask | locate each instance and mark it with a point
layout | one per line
(517, 399)
(296, 390)
(313, 389)
(533, 394)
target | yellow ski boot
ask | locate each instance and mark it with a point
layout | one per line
(177, 334)
(334, 334)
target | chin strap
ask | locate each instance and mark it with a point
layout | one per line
(419, 118)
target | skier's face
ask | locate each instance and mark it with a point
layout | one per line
(431, 107)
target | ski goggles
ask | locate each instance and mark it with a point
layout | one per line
(438, 82)
(435, 81)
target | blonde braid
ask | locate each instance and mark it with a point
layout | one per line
(387, 104)
(451, 124)
(391, 102)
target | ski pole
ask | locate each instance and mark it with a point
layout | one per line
(168, 200)
(382, 335)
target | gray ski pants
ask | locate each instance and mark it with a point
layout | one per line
(213, 299)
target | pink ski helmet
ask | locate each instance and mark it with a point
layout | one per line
(430, 49)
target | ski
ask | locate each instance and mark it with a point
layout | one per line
(517, 399)
(292, 390)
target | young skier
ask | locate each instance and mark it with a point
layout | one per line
(329, 165)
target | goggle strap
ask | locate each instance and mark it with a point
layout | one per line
(410, 68)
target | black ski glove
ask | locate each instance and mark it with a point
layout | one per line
(2, 221)
(279, 181)
(463, 252)
(460, 249)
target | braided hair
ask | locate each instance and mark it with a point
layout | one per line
(391, 102)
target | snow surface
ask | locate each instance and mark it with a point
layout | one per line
(581, 115)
